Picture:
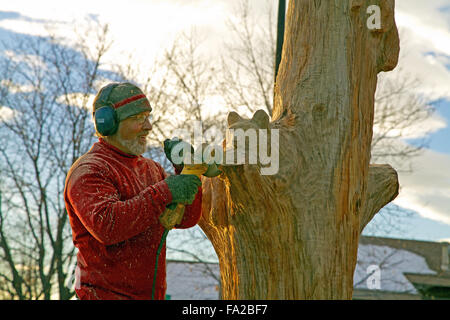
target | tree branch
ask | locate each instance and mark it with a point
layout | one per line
(382, 188)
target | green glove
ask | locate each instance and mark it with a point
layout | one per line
(183, 187)
(172, 206)
(169, 144)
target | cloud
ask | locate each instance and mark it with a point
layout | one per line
(425, 55)
(76, 99)
(427, 189)
(419, 130)
(401, 111)
(433, 13)
(425, 44)
(7, 113)
(16, 88)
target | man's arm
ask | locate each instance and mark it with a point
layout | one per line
(97, 204)
(192, 212)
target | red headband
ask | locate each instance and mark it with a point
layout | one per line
(128, 100)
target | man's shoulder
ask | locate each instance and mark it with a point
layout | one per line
(89, 163)
(152, 164)
(92, 157)
(150, 161)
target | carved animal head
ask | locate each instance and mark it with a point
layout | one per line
(243, 135)
(259, 120)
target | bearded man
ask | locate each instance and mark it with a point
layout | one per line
(116, 200)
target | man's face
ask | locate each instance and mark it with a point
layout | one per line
(132, 133)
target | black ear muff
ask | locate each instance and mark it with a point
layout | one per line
(105, 117)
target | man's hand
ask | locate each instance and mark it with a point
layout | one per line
(183, 187)
(169, 145)
(171, 216)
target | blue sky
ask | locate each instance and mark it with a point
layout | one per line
(440, 140)
(418, 226)
(425, 54)
(425, 42)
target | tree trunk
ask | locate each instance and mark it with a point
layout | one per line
(294, 235)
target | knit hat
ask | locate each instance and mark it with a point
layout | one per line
(126, 98)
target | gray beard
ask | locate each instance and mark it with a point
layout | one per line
(133, 145)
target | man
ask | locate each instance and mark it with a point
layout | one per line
(116, 201)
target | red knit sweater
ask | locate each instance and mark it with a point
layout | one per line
(114, 200)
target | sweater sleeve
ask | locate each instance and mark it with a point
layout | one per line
(97, 204)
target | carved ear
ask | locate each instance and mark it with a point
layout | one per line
(261, 119)
(233, 117)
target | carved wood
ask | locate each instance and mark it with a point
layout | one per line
(294, 235)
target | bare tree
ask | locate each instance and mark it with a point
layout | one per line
(51, 132)
(247, 74)
(46, 88)
(390, 264)
(398, 111)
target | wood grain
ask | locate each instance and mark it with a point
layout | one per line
(294, 235)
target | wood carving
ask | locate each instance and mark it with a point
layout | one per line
(294, 235)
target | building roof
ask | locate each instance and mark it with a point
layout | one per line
(436, 254)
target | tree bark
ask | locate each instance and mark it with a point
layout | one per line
(294, 235)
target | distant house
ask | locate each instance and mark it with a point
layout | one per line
(387, 269)
(408, 269)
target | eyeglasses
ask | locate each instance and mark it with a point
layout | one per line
(142, 118)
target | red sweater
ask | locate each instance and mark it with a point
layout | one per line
(114, 200)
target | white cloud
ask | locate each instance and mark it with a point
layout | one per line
(425, 43)
(7, 113)
(77, 99)
(141, 27)
(15, 88)
(419, 130)
(428, 12)
(425, 55)
(427, 189)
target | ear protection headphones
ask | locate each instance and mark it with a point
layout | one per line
(105, 118)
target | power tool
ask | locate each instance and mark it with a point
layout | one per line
(174, 214)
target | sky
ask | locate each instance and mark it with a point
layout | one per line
(148, 26)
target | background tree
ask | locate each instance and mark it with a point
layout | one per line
(45, 126)
(247, 69)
